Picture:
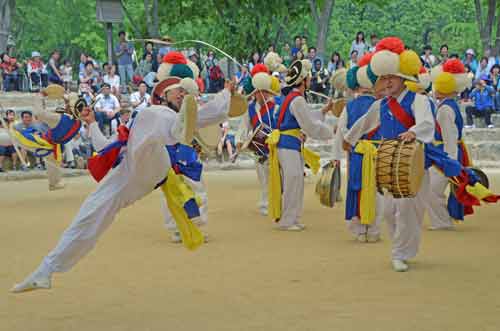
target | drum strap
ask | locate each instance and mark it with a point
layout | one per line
(285, 105)
(400, 114)
(263, 112)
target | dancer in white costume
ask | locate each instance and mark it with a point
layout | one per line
(144, 164)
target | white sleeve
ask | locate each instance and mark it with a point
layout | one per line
(134, 97)
(215, 111)
(337, 150)
(98, 140)
(364, 124)
(424, 120)
(311, 122)
(446, 120)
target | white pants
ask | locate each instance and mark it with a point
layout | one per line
(404, 218)
(437, 201)
(199, 189)
(292, 185)
(263, 176)
(357, 228)
(54, 171)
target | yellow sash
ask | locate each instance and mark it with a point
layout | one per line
(367, 203)
(177, 193)
(39, 143)
(310, 158)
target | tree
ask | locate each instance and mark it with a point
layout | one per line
(322, 22)
(486, 27)
(7, 8)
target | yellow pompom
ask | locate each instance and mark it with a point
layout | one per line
(409, 63)
(445, 83)
(413, 86)
(275, 85)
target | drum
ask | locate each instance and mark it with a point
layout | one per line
(328, 185)
(238, 105)
(208, 138)
(400, 168)
(257, 142)
(338, 106)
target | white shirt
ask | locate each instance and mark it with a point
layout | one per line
(312, 122)
(136, 97)
(114, 81)
(107, 103)
(337, 150)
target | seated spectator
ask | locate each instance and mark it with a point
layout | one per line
(83, 60)
(353, 62)
(107, 108)
(495, 83)
(145, 66)
(89, 76)
(10, 73)
(67, 74)
(113, 80)
(470, 60)
(7, 151)
(55, 76)
(37, 72)
(483, 69)
(154, 55)
(319, 81)
(226, 142)
(483, 97)
(140, 99)
(465, 95)
(27, 122)
(85, 91)
(125, 116)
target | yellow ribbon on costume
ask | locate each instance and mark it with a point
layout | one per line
(177, 193)
(39, 143)
(478, 190)
(310, 158)
(367, 203)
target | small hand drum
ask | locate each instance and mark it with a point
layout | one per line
(328, 185)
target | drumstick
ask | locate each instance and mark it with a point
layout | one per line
(18, 152)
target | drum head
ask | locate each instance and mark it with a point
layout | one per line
(338, 106)
(208, 137)
(483, 179)
(417, 169)
(328, 186)
(190, 110)
(53, 92)
(238, 105)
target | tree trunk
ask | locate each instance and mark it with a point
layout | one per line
(322, 23)
(6, 13)
(155, 30)
(497, 39)
(485, 28)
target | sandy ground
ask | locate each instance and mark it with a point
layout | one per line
(249, 277)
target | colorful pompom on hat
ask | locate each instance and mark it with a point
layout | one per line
(450, 77)
(175, 71)
(351, 78)
(391, 58)
(423, 84)
(260, 80)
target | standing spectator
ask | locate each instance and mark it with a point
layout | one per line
(242, 75)
(210, 62)
(312, 55)
(10, 73)
(443, 53)
(107, 107)
(193, 56)
(429, 59)
(140, 99)
(334, 61)
(470, 60)
(254, 60)
(297, 46)
(149, 49)
(482, 70)
(113, 80)
(373, 42)
(491, 59)
(124, 51)
(55, 76)
(359, 45)
(286, 55)
(89, 76)
(83, 60)
(36, 71)
(495, 83)
(303, 46)
(319, 81)
(216, 79)
(353, 61)
(7, 151)
(67, 74)
(482, 96)
(299, 56)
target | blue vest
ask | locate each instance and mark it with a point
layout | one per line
(289, 122)
(356, 109)
(267, 119)
(459, 121)
(390, 127)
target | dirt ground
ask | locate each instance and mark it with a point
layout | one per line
(249, 276)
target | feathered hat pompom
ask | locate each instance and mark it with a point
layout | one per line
(259, 67)
(365, 59)
(174, 58)
(392, 44)
(454, 66)
(409, 63)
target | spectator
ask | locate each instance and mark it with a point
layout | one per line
(140, 99)
(123, 119)
(55, 76)
(319, 81)
(341, 64)
(470, 60)
(83, 60)
(226, 142)
(154, 55)
(299, 56)
(312, 55)
(334, 61)
(89, 76)
(216, 79)
(465, 95)
(303, 46)
(428, 58)
(373, 42)
(86, 92)
(113, 80)
(210, 62)
(144, 68)
(7, 151)
(67, 74)
(286, 55)
(107, 108)
(353, 61)
(359, 45)
(10, 73)
(27, 123)
(193, 57)
(123, 52)
(482, 70)
(443, 53)
(37, 72)
(483, 97)
(242, 75)
(297, 46)
(491, 59)
(166, 48)
(495, 83)
(254, 60)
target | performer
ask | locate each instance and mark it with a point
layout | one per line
(260, 118)
(407, 116)
(363, 223)
(448, 80)
(138, 170)
(286, 152)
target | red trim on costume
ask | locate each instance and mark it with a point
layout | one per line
(372, 133)
(285, 105)
(400, 114)
(74, 129)
(263, 111)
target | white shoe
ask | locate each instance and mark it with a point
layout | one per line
(372, 238)
(263, 211)
(33, 282)
(399, 266)
(361, 238)
(293, 228)
(58, 186)
(176, 237)
(205, 237)
(300, 225)
(441, 228)
(491, 126)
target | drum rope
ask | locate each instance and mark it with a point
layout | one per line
(398, 161)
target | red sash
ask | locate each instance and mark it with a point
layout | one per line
(372, 133)
(400, 114)
(285, 105)
(263, 111)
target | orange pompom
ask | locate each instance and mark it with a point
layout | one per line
(365, 59)
(392, 44)
(174, 58)
(454, 66)
(422, 70)
(259, 67)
